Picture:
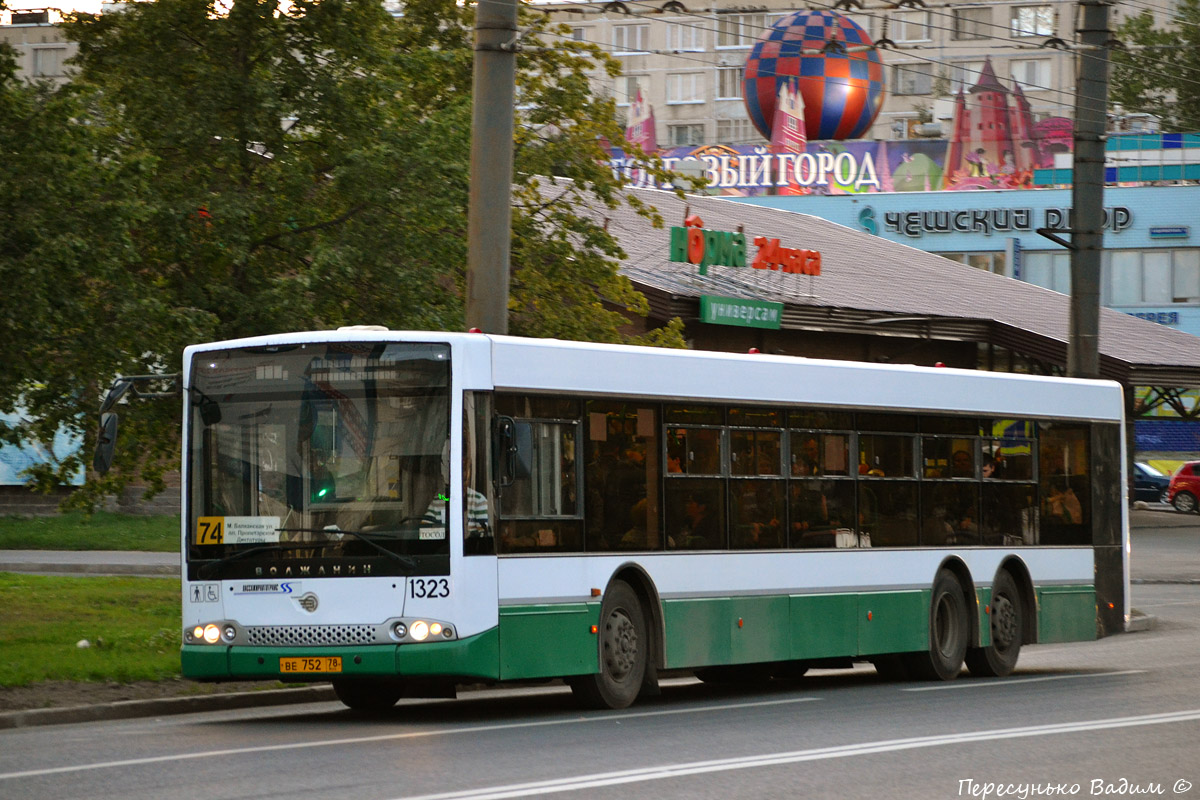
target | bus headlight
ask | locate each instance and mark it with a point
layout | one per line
(211, 633)
(411, 631)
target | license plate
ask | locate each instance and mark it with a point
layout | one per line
(311, 664)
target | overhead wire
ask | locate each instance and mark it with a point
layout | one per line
(655, 16)
(1076, 48)
(1171, 13)
(910, 51)
(903, 66)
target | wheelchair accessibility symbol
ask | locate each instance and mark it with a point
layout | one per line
(205, 593)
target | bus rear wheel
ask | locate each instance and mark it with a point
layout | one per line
(369, 694)
(1008, 630)
(949, 632)
(624, 649)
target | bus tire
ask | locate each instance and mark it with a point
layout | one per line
(1006, 618)
(624, 651)
(368, 694)
(949, 633)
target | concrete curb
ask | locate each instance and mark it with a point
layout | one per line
(1141, 622)
(145, 570)
(90, 562)
(164, 706)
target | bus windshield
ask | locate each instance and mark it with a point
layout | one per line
(319, 460)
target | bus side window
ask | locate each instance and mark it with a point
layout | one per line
(1064, 476)
(479, 499)
(539, 506)
(621, 458)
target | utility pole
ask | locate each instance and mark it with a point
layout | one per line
(489, 218)
(1087, 191)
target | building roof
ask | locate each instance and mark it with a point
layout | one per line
(869, 285)
(988, 82)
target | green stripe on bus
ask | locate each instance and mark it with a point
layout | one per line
(473, 657)
(548, 641)
(202, 662)
(742, 630)
(983, 599)
(893, 622)
(698, 631)
(823, 625)
(555, 640)
(1066, 613)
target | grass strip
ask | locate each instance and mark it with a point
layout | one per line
(101, 531)
(132, 624)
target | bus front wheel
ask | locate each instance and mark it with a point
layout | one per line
(949, 632)
(623, 652)
(369, 694)
(1000, 657)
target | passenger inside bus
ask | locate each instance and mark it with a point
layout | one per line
(808, 461)
(638, 536)
(702, 528)
(435, 522)
(810, 516)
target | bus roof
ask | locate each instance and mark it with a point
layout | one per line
(589, 368)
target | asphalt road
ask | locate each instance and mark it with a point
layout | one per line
(1085, 719)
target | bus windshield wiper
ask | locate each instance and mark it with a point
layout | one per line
(404, 560)
(207, 568)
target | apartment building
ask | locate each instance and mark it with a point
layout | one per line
(688, 59)
(41, 48)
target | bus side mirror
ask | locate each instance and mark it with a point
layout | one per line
(106, 443)
(210, 410)
(522, 451)
(118, 390)
(512, 446)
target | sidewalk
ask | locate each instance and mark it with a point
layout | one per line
(1161, 515)
(90, 562)
(165, 706)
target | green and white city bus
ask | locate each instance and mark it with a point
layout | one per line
(401, 512)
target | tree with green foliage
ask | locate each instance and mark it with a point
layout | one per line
(73, 312)
(1157, 71)
(232, 170)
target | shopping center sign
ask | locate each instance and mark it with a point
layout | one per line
(694, 244)
(741, 312)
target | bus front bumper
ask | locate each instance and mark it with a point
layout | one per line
(474, 657)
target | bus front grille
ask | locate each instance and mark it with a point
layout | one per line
(291, 635)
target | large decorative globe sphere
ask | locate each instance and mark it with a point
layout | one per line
(842, 89)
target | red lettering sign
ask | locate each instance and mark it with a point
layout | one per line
(785, 259)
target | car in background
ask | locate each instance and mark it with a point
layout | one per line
(1185, 487)
(1149, 484)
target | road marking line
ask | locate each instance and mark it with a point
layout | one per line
(1012, 681)
(598, 780)
(614, 716)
